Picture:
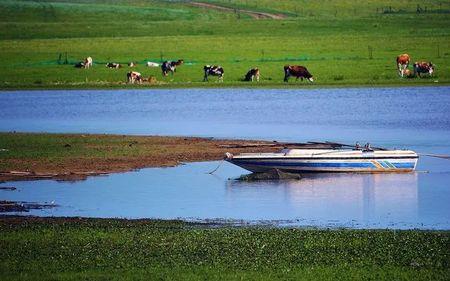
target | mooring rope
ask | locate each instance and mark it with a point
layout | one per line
(441, 156)
(216, 168)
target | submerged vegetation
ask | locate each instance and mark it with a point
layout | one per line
(72, 249)
(340, 42)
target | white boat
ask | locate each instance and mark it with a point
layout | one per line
(328, 160)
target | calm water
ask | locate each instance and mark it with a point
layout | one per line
(391, 116)
(415, 118)
(416, 200)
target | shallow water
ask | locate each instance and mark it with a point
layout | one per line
(415, 118)
(400, 201)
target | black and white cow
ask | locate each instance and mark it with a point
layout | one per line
(170, 66)
(113, 65)
(423, 67)
(252, 74)
(133, 77)
(214, 70)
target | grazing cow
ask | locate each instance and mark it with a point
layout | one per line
(170, 66)
(113, 65)
(214, 70)
(133, 77)
(252, 74)
(132, 64)
(402, 63)
(152, 64)
(297, 71)
(408, 74)
(79, 64)
(423, 67)
(87, 62)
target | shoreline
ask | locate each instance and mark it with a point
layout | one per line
(32, 156)
(201, 85)
(217, 223)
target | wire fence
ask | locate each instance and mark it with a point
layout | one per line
(71, 61)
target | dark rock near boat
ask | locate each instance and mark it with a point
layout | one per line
(274, 174)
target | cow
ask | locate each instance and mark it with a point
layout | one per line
(214, 70)
(152, 64)
(113, 65)
(408, 74)
(132, 64)
(87, 62)
(402, 63)
(133, 77)
(170, 66)
(298, 71)
(252, 74)
(423, 67)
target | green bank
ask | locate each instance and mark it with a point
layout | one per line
(342, 43)
(110, 249)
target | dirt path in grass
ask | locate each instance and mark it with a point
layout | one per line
(253, 14)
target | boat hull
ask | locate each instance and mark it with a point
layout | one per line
(368, 165)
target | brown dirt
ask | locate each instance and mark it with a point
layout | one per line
(151, 151)
(253, 14)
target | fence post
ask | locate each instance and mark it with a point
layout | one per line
(370, 52)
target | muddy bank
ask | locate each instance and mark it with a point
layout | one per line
(75, 157)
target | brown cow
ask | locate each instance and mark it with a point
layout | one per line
(423, 67)
(252, 74)
(408, 74)
(298, 71)
(402, 63)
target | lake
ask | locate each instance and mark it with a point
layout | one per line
(416, 118)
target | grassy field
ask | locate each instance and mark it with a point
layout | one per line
(342, 43)
(94, 249)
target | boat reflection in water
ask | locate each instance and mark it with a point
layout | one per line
(348, 200)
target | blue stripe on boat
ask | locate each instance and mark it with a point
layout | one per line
(403, 165)
(303, 164)
(328, 165)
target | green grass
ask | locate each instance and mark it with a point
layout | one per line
(332, 40)
(120, 249)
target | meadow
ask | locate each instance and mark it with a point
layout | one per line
(112, 249)
(342, 43)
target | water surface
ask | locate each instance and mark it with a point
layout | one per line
(392, 116)
(401, 201)
(416, 118)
